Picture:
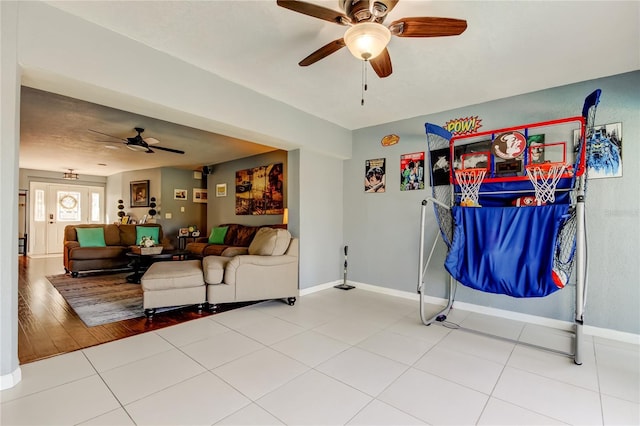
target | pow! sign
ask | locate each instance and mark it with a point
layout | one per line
(463, 126)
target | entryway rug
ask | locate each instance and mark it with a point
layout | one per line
(100, 299)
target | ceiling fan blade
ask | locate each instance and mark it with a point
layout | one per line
(176, 151)
(104, 134)
(323, 52)
(427, 27)
(381, 64)
(315, 11)
(390, 4)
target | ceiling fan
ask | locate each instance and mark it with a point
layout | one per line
(366, 37)
(137, 143)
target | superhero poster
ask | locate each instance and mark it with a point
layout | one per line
(374, 175)
(604, 151)
(412, 171)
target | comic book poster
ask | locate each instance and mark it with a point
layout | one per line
(412, 171)
(374, 175)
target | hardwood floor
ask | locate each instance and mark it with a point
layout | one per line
(48, 326)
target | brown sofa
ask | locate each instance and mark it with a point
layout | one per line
(236, 241)
(118, 240)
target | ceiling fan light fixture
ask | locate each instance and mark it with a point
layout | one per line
(367, 40)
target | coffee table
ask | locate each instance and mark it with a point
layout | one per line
(141, 262)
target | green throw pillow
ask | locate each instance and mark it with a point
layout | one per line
(147, 231)
(91, 237)
(218, 234)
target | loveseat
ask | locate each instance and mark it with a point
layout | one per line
(227, 240)
(90, 253)
(269, 270)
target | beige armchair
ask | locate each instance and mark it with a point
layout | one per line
(269, 271)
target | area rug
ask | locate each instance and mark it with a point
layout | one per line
(100, 299)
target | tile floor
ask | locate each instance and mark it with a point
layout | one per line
(336, 357)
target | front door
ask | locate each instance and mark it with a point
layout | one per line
(55, 206)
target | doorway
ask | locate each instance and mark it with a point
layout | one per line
(54, 206)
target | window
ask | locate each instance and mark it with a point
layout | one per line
(68, 206)
(38, 210)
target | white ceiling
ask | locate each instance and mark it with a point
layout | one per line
(509, 48)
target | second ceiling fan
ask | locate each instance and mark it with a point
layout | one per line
(366, 37)
(138, 143)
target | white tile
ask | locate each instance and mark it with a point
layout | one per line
(67, 404)
(48, 373)
(270, 330)
(141, 378)
(220, 349)
(434, 400)
(201, 400)
(253, 415)
(619, 372)
(568, 403)
(304, 316)
(412, 327)
(117, 417)
(559, 340)
(379, 413)
(242, 317)
(310, 348)
(474, 344)
(350, 332)
(260, 372)
(555, 366)
(509, 329)
(365, 371)
(619, 412)
(498, 412)
(314, 398)
(191, 331)
(396, 346)
(467, 370)
(120, 352)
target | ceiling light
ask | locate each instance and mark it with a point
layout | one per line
(70, 175)
(367, 40)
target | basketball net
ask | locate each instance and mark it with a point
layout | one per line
(544, 178)
(470, 181)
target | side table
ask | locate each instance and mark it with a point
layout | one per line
(182, 241)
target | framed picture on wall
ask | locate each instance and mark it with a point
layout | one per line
(139, 193)
(199, 195)
(180, 194)
(221, 190)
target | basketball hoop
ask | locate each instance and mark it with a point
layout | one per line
(470, 181)
(545, 177)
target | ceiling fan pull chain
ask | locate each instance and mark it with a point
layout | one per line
(364, 81)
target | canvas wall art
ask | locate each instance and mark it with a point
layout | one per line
(260, 190)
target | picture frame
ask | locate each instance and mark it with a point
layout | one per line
(139, 193)
(221, 190)
(125, 220)
(180, 194)
(183, 232)
(199, 195)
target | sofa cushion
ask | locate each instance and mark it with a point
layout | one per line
(218, 234)
(270, 242)
(147, 231)
(91, 237)
(244, 236)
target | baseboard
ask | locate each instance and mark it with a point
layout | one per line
(10, 380)
(486, 310)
